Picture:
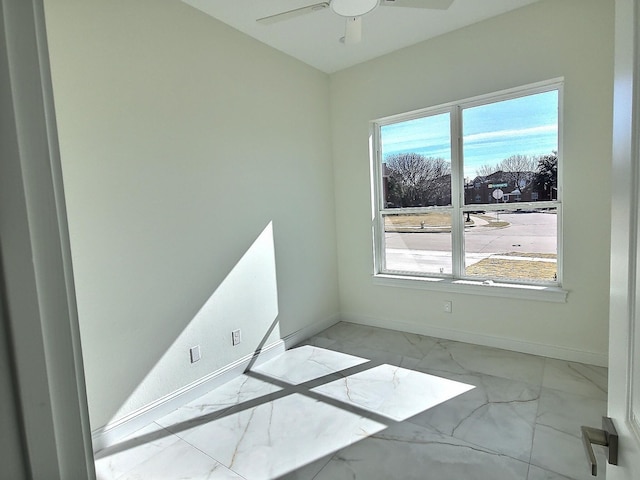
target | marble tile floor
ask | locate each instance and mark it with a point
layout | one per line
(365, 403)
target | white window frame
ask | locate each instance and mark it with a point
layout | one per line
(457, 282)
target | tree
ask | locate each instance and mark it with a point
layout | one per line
(546, 178)
(486, 170)
(514, 168)
(519, 169)
(415, 180)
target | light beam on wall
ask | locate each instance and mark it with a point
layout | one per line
(246, 299)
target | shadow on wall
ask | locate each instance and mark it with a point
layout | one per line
(247, 299)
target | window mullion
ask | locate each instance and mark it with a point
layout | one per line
(457, 191)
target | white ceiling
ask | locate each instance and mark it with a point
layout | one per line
(314, 38)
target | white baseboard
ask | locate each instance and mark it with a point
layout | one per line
(550, 351)
(113, 432)
(309, 331)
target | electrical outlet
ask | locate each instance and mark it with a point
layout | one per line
(195, 353)
(236, 337)
(447, 306)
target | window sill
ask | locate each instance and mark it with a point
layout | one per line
(505, 290)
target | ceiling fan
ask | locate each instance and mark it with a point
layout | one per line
(352, 11)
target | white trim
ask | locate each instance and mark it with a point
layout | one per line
(633, 407)
(560, 186)
(625, 230)
(519, 291)
(375, 180)
(40, 308)
(309, 331)
(113, 432)
(544, 350)
(457, 194)
(455, 109)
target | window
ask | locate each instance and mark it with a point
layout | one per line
(470, 191)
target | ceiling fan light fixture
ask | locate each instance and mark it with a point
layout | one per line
(353, 8)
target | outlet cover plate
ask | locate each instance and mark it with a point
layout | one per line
(447, 306)
(195, 353)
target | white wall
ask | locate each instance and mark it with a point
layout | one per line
(198, 175)
(569, 38)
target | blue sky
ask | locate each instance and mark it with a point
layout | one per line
(491, 133)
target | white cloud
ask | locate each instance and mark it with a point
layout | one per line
(523, 132)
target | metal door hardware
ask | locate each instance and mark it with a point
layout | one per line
(607, 437)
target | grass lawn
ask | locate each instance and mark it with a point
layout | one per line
(435, 219)
(493, 222)
(515, 269)
(396, 223)
(430, 221)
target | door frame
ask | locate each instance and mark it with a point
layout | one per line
(625, 224)
(40, 313)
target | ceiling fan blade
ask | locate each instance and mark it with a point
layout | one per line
(431, 4)
(353, 30)
(278, 17)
